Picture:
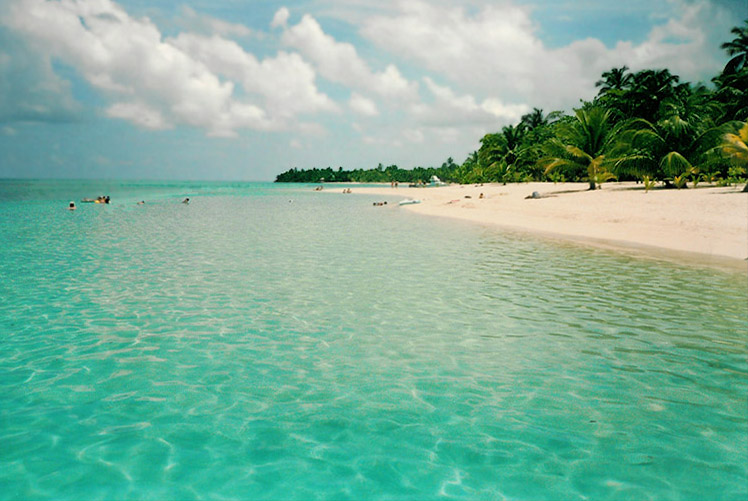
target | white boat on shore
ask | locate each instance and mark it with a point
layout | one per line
(409, 201)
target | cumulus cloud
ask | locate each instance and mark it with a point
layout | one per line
(201, 23)
(30, 90)
(450, 109)
(440, 73)
(138, 113)
(286, 82)
(363, 105)
(339, 61)
(497, 49)
(159, 83)
(280, 18)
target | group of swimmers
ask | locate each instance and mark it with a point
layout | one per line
(105, 200)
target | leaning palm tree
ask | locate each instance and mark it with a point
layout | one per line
(738, 48)
(582, 145)
(735, 147)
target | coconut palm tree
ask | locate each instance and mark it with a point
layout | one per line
(511, 142)
(669, 149)
(499, 151)
(732, 84)
(648, 89)
(617, 79)
(735, 147)
(582, 145)
(738, 48)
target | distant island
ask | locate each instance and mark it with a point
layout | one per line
(646, 126)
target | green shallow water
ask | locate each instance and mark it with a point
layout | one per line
(268, 342)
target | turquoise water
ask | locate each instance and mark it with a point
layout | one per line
(269, 342)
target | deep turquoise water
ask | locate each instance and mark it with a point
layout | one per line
(269, 342)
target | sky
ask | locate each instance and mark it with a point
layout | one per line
(244, 90)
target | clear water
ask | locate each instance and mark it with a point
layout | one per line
(269, 342)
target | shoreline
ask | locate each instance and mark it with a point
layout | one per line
(702, 224)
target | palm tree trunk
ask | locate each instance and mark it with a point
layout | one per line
(592, 170)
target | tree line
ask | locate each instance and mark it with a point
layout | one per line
(646, 126)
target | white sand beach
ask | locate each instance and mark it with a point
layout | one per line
(709, 221)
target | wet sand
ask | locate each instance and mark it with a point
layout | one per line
(708, 221)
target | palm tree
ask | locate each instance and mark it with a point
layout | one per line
(617, 79)
(735, 147)
(512, 141)
(536, 119)
(732, 94)
(648, 89)
(732, 84)
(582, 145)
(669, 149)
(499, 151)
(738, 48)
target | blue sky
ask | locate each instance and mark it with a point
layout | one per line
(243, 90)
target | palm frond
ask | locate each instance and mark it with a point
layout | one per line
(578, 152)
(675, 164)
(550, 164)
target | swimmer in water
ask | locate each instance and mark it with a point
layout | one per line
(186, 201)
(72, 206)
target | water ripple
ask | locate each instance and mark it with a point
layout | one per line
(244, 347)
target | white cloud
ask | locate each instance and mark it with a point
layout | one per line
(138, 113)
(29, 88)
(201, 23)
(339, 62)
(285, 82)
(362, 105)
(497, 50)
(450, 109)
(483, 51)
(413, 135)
(280, 18)
(196, 80)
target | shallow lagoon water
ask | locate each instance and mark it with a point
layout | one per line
(270, 342)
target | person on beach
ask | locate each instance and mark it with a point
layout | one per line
(186, 201)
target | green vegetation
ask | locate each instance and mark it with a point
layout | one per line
(646, 126)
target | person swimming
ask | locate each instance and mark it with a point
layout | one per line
(186, 201)
(72, 206)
